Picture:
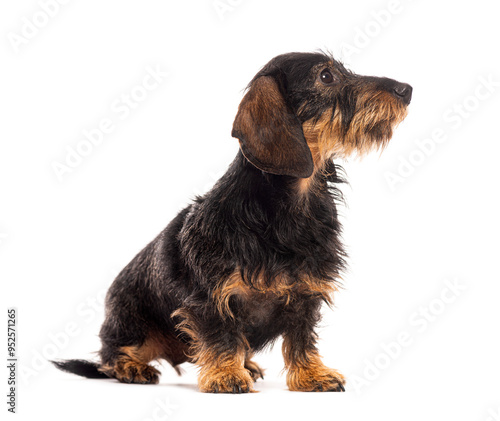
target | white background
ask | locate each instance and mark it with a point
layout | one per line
(62, 241)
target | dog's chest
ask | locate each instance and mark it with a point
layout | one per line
(264, 311)
(263, 317)
(258, 309)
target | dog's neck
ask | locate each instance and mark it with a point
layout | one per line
(243, 179)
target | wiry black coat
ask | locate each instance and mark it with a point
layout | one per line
(257, 255)
(250, 220)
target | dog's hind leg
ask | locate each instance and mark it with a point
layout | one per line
(255, 370)
(130, 364)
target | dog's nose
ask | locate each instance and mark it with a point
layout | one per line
(403, 91)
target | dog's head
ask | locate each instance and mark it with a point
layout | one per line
(302, 109)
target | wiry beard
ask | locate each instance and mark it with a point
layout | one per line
(370, 127)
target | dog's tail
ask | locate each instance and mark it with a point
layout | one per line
(82, 368)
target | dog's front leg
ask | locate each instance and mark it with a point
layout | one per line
(220, 350)
(222, 365)
(305, 370)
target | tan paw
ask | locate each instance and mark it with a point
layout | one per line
(128, 371)
(315, 379)
(225, 380)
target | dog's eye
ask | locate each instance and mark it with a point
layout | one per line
(327, 77)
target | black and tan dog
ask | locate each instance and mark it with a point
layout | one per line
(254, 258)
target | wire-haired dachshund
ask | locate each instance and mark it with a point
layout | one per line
(255, 257)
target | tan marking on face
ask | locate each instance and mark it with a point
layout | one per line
(376, 111)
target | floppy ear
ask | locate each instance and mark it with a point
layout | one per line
(270, 133)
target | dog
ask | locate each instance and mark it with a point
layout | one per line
(256, 257)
